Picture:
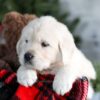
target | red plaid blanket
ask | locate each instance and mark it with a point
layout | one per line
(42, 90)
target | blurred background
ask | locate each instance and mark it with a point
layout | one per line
(81, 16)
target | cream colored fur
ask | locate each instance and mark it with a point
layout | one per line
(61, 57)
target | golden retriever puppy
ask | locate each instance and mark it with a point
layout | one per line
(47, 46)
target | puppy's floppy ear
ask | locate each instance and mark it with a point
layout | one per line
(66, 43)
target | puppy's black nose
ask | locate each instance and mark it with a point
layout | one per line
(28, 57)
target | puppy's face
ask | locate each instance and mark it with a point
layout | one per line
(43, 42)
(38, 46)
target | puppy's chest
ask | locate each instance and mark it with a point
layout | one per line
(53, 68)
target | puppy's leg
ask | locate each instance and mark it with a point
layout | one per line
(26, 77)
(63, 80)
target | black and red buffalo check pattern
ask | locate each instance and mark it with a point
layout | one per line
(42, 90)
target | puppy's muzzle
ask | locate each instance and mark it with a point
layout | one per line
(28, 57)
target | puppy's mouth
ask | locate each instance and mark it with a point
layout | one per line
(36, 66)
(28, 63)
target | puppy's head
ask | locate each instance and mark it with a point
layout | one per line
(41, 42)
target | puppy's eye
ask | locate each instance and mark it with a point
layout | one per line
(44, 44)
(26, 41)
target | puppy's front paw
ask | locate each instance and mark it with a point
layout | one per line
(61, 85)
(26, 77)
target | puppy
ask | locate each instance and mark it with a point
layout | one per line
(47, 46)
